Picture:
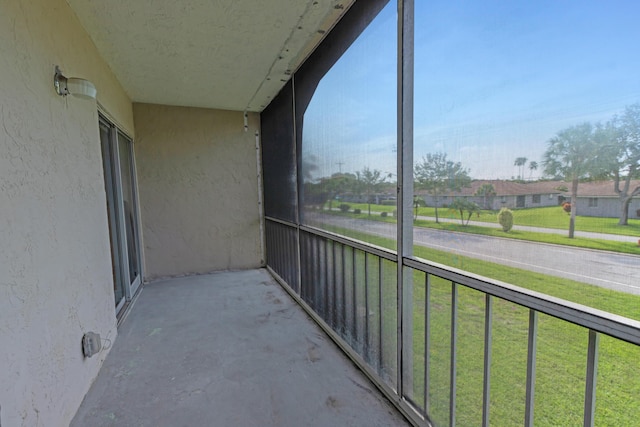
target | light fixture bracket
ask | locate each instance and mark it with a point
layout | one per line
(60, 83)
(80, 88)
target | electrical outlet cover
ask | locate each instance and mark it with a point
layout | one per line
(91, 344)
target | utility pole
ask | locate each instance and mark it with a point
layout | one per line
(340, 166)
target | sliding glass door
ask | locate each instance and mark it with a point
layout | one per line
(119, 177)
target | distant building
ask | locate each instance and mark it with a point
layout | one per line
(508, 194)
(599, 199)
(594, 198)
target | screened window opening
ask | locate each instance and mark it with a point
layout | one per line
(348, 167)
(505, 290)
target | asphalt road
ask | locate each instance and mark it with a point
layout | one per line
(605, 269)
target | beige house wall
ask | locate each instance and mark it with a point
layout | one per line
(55, 265)
(198, 190)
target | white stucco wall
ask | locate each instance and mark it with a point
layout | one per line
(198, 189)
(55, 266)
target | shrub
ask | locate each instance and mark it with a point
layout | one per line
(465, 206)
(357, 211)
(505, 218)
(383, 214)
(344, 207)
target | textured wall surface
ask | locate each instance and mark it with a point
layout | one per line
(198, 189)
(55, 266)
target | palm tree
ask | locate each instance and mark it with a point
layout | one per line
(574, 154)
(533, 166)
(487, 192)
(520, 162)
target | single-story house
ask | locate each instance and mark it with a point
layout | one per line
(596, 198)
(600, 199)
(509, 194)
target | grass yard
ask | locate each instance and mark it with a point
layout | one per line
(561, 349)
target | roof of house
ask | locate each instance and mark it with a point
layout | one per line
(514, 188)
(510, 188)
(603, 188)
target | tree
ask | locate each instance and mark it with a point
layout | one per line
(437, 175)
(336, 185)
(575, 153)
(520, 162)
(487, 192)
(626, 157)
(533, 166)
(417, 203)
(370, 181)
(463, 205)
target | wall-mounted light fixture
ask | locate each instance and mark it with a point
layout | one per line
(73, 86)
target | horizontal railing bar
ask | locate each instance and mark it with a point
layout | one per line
(600, 321)
(281, 221)
(366, 247)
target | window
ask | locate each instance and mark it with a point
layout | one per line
(490, 107)
(349, 138)
(593, 202)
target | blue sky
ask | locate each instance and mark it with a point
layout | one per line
(494, 80)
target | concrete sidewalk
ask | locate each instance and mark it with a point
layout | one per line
(586, 234)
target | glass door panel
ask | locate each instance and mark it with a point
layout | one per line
(129, 209)
(114, 240)
(120, 188)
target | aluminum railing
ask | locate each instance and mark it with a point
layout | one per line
(353, 291)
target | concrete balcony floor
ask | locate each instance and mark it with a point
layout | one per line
(228, 349)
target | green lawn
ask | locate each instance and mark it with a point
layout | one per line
(561, 350)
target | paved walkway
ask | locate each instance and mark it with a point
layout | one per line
(587, 234)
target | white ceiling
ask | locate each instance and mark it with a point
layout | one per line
(228, 54)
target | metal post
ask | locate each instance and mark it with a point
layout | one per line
(354, 297)
(260, 197)
(427, 342)
(486, 387)
(405, 192)
(531, 368)
(380, 317)
(592, 373)
(454, 354)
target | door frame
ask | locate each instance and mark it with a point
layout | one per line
(112, 168)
